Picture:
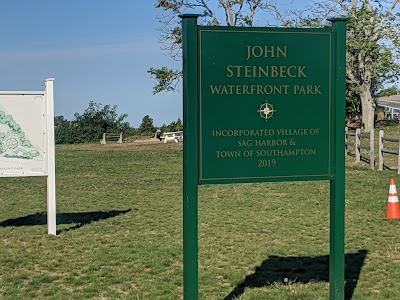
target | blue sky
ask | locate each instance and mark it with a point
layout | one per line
(97, 50)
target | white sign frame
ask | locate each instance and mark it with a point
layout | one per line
(26, 151)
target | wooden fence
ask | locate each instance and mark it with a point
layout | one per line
(111, 136)
(388, 151)
(358, 146)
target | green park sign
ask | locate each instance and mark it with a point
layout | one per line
(263, 105)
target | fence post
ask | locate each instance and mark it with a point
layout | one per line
(398, 160)
(120, 139)
(103, 141)
(357, 145)
(371, 149)
(380, 168)
(345, 140)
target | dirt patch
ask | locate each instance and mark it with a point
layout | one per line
(142, 145)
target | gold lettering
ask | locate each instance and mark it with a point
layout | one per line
(268, 89)
(301, 73)
(289, 71)
(274, 71)
(265, 51)
(270, 50)
(223, 154)
(281, 51)
(242, 132)
(245, 143)
(253, 52)
(230, 72)
(296, 89)
(248, 71)
(261, 70)
(215, 89)
(282, 71)
(292, 152)
(306, 89)
(224, 90)
(248, 52)
(273, 143)
(254, 89)
(299, 131)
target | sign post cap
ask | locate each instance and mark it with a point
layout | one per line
(338, 19)
(183, 16)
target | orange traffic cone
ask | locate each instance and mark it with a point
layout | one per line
(393, 208)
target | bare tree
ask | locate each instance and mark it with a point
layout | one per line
(372, 45)
(372, 48)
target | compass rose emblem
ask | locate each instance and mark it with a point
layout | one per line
(266, 111)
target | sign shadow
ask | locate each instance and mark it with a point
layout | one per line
(79, 219)
(291, 269)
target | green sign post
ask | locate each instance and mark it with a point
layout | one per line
(263, 105)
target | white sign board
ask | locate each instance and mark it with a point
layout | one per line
(27, 140)
(23, 141)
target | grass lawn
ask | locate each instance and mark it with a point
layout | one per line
(119, 211)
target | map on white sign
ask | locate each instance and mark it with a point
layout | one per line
(22, 135)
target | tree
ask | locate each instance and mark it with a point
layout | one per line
(173, 126)
(167, 79)
(236, 13)
(98, 119)
(90, 126)
(176, 126)
(147, 127)
(64, 132)
(372, 48)
(389, 92)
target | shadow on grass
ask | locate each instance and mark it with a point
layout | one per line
(368, 161)
(288, 270)
(80, 219)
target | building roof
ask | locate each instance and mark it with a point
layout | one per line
(390, 101)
